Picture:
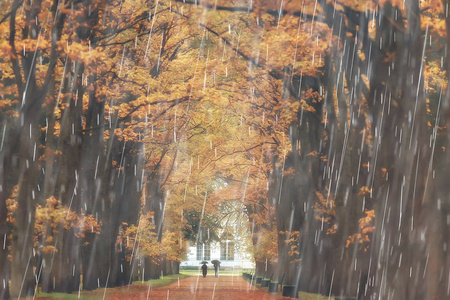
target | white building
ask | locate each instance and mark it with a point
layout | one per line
(229, 251)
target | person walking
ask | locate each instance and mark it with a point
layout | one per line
(216, 264)
(216, 269)
(204, 269)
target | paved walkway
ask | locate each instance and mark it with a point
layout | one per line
(199, 288)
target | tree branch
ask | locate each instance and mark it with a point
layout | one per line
(12, 36)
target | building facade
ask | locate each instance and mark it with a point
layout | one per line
(231, 245)
(225, 251)
(230, 250)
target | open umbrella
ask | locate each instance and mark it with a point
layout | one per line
(215, 262)
(203, 262)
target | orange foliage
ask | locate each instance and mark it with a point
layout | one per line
(366, 228)
(54, 217)
(143, 238)
(11, 205)
(267, 246)
(325, 210)
(292, 239)
(364, 190)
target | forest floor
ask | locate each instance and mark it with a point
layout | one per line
(193, 287)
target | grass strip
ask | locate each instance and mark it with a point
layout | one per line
(101, 293)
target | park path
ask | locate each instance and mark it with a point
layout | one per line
(199, 288)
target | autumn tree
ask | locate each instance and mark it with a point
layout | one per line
(302, 118)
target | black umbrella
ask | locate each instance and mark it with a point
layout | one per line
(203, 262)
(215, 262)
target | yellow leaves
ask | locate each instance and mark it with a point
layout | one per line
(325, 210)
(266, 247)
(5, 103)
(366, 222)
(54, 217)
(313, 154)
(57, 129)
(133, 108)
(94, 59)
(31, 45)
(144, 236)
(118, 133)
(366, 228)
(50, 154)
(170, 246)
(432, 7)
(12, 207)
(49, 249)
(436, 27)
(292, 240)
(87, 225)
(309, 45)
(364, 190)
(435, 77)
(130, 133)
(305, 107)
(6, 49)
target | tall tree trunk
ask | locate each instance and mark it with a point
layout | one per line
(4, 229)
(23, 260)
(403, 203)
(150, 269)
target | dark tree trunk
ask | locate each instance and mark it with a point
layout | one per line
(4, 230)
(123, 272)
(260, 268)
(127, 206)
(149, 269)
(23, 261)
(400, 251)
(96, 264)
(175, 267)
